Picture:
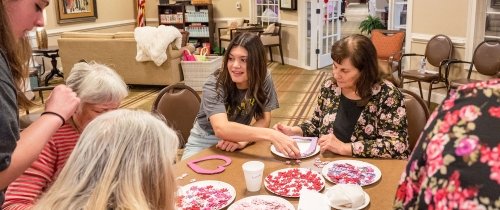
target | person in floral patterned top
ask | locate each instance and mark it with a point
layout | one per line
(456, 163)
(358, 113)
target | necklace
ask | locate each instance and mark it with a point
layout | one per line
(77, 128)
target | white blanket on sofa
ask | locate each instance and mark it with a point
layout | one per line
(152, 42)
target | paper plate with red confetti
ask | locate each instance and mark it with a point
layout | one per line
(351, 172)
(263, 202)
(289, 181)
(209, 194)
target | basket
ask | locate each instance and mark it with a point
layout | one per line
(201, 2)
(197, 72)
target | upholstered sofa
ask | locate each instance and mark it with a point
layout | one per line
(118, 50)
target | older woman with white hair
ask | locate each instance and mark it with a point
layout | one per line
(123, 160)
(100, 89)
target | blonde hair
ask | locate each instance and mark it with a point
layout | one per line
(123, 160)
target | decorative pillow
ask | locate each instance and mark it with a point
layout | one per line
(387, 45)
(270, 29)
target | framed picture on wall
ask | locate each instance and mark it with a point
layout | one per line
(76, 10)
(288, 4)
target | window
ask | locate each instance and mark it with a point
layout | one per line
(492, 25)
(397, 12)
(267, 11)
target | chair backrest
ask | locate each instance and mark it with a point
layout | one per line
(438, 49)
(272, 37)
(179, 104)
(486, 57)
(417, 114)
(388, 43)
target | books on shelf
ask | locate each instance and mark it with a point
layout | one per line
(171, 18)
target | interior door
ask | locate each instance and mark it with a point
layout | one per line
(325, 30)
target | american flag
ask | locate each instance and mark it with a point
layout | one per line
(141, 20)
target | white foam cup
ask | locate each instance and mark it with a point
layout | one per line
(253, 171)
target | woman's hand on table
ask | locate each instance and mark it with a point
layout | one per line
(230, 146)
(286, 145)
(331, 143)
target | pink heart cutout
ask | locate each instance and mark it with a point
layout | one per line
(196, 168)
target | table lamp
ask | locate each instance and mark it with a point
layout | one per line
(41, 38)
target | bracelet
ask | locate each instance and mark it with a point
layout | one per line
(53, 113)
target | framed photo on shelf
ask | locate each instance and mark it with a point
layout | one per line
(288, 4)
(495, 4)
(76, 10)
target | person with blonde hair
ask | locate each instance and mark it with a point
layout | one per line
(123, 160)
(100, 89)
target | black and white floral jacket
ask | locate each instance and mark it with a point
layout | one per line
(382, 128)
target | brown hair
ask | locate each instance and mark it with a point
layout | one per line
(17, 53)
(363, 55)
(256, 70)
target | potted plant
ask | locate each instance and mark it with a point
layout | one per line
(371, 23)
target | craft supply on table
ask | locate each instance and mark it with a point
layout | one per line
(196, 168)
(351, 172)
(262, 202)
(307, 146)
(347, 196)
(209, 194)
(289, 181)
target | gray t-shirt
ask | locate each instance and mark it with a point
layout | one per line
(212, 104)
(9, 116)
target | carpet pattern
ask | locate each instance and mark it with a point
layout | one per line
(297, 91)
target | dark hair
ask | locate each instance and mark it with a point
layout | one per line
(363, 55)
(16, 52)
(256, 71)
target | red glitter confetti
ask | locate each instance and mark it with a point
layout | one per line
(289, 182)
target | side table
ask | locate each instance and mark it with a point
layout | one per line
(53, 54)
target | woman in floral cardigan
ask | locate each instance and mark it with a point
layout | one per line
(455, 164)
(358, 114)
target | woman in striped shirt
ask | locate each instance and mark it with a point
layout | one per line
(100, 89)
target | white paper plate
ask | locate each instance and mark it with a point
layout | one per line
(192, 199)
(303, 147)
(293, 191)
(365, 204)
(355, 163)
(254, 203)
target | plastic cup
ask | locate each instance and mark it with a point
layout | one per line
(253, 171)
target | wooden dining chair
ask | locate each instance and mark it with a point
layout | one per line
(179, 104)
(271, 37)
(438, 52)
(417, 114)
(226, 34)
(486, 60)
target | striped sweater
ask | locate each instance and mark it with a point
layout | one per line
(23, 193)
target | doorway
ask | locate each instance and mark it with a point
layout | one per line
(323, 29)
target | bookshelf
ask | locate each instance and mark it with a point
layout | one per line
(196, 19)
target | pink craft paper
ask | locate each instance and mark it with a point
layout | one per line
(196, 168)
